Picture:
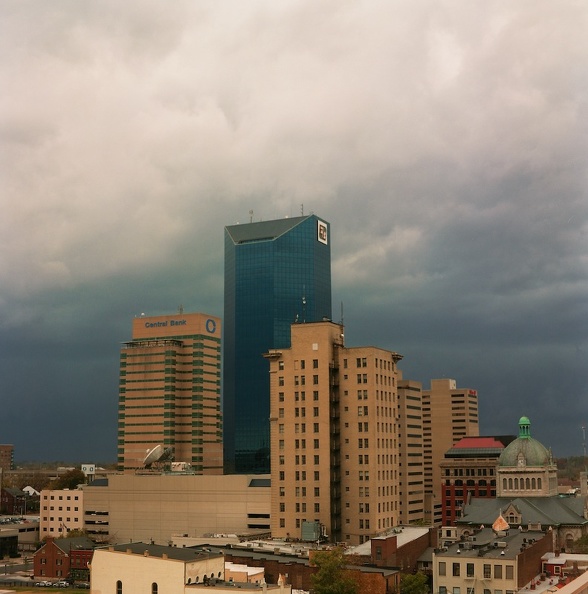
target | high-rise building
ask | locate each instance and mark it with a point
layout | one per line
(449, 413)
(169, 393)
(6, 457)
(276, 272)
(333, 437)
(410, 452)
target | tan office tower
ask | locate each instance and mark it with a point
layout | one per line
(169, 394)
(334, 450)
(410, 450)
(449, 413)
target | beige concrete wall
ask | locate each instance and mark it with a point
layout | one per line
(138, 573)
(60, 511)
(157, 507)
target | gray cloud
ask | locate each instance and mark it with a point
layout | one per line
(444, 142)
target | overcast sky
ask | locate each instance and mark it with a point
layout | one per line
(445, 142)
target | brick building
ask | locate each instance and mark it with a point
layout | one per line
(54, 558)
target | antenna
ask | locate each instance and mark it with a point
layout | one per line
(302, 210)
(584, 439)
(251, 216)
(303, 304)
(342, 317)
(180, 309)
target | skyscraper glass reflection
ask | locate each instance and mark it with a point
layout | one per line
(276, 273)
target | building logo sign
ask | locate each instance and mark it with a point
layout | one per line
(211, 325)
(322, 234)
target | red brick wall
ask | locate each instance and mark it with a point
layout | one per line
(529, 560)
(51, 561)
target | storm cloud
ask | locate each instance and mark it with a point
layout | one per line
(444, 141)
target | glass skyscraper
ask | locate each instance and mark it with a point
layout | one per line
(276, 273)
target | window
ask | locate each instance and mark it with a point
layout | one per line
(442, 567)
(487, 573)
(498, 572)
(510, 572)
(282, 507)
(282, 523)
(317, 508)
(154, 588)
(469, 569)
(315, 411)
(281, 381)
(456, 569)
(118, 587)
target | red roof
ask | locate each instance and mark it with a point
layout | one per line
(479, 442)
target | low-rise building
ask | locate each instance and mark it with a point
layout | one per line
(136, 568)
(54, 558)
(490, 561)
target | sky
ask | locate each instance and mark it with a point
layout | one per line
(446, 142)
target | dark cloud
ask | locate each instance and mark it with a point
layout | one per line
(445, 143)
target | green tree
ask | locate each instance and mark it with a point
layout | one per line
(69, 480)
(331, 576)
(414, 584)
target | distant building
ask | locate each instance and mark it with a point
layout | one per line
(169, 394)
(12, 501)
(53, 559)
(469, 470)
(6, 457)
(276, 272)
(61, 510)
(449, 413)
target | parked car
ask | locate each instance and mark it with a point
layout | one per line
(43, 584)
(61, 584)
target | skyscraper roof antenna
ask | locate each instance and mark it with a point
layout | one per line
(342, 316)
(251, 216)
(302, 210)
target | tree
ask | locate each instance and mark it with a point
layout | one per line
(414, 584)
(331, 576)
(69, 480)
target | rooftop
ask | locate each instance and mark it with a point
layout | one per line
(490, 545)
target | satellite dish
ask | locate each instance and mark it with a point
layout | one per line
(153, 455)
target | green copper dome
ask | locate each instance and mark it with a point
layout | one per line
(525, 451)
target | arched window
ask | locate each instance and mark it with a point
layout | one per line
(539, 484)
(154, 588)
(533, 483)
(527, 483)
(510, 484)
(118, 587)
(504, 484)
(516, 484)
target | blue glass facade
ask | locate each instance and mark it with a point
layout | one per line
(276, 272)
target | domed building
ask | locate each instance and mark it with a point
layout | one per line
(527, 496)
(526, 467)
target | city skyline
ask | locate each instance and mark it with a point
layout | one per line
(445, 144)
